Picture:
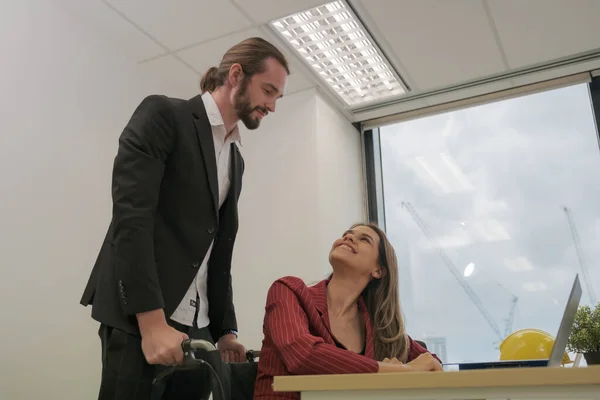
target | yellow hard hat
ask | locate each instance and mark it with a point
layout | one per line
(529, 344)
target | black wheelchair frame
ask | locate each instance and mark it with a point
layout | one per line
(228, 381)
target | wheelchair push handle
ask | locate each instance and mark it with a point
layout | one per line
(197, 344)
(189, 347)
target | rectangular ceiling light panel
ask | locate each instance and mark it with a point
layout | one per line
(335, 44)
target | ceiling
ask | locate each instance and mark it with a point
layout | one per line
(433, 44)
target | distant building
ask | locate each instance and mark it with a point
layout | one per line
(437, 345)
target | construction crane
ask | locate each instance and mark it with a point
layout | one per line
(511, 315)
(455, 272)
(510, 319)
(579, 253)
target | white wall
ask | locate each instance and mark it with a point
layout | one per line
(66, 95)
(302, 189)
(340, 183)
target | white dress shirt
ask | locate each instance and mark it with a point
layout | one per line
(184, 314)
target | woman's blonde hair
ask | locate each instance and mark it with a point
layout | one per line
(383, 303)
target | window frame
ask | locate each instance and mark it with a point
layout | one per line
(373, 168)
(374, 178)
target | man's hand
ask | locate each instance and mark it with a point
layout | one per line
(231, 350)
(425, 362)
(161, 344)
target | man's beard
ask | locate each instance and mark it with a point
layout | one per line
(244, 109)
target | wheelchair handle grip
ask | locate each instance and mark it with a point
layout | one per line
(197, 344)
(252, 354)
(189, 346)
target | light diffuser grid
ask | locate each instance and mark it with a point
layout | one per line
(334, 43)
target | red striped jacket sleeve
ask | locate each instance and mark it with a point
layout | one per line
(303, 353)
(415, 350)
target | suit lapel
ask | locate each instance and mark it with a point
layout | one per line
(235, 176)
(235, 179)
(207, 145)
(319, 293)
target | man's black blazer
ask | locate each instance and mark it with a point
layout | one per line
(165, 215)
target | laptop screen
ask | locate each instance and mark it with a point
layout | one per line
(566, 324)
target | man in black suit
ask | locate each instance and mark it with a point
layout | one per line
(163, 273)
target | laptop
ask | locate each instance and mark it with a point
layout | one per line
(560, 342)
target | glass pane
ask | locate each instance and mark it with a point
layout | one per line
(483, 196)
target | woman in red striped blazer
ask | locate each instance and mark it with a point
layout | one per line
(346, 324)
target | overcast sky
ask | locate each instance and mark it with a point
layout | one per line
(490, 183)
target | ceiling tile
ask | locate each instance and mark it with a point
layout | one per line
(439, 42)
(112, 27)
(167, 75)
(181, 23)
(536, 31)
(209, 54)
(297, 82)
(263, 11)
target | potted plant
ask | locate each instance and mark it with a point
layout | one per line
(585, 334)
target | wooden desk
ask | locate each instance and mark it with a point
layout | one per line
(541, 383)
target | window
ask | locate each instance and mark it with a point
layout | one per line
(478, 204)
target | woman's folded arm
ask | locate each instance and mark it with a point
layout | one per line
(301, 352)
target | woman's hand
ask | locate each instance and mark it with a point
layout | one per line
(392, 365)
(425, 362)
(391, 361)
